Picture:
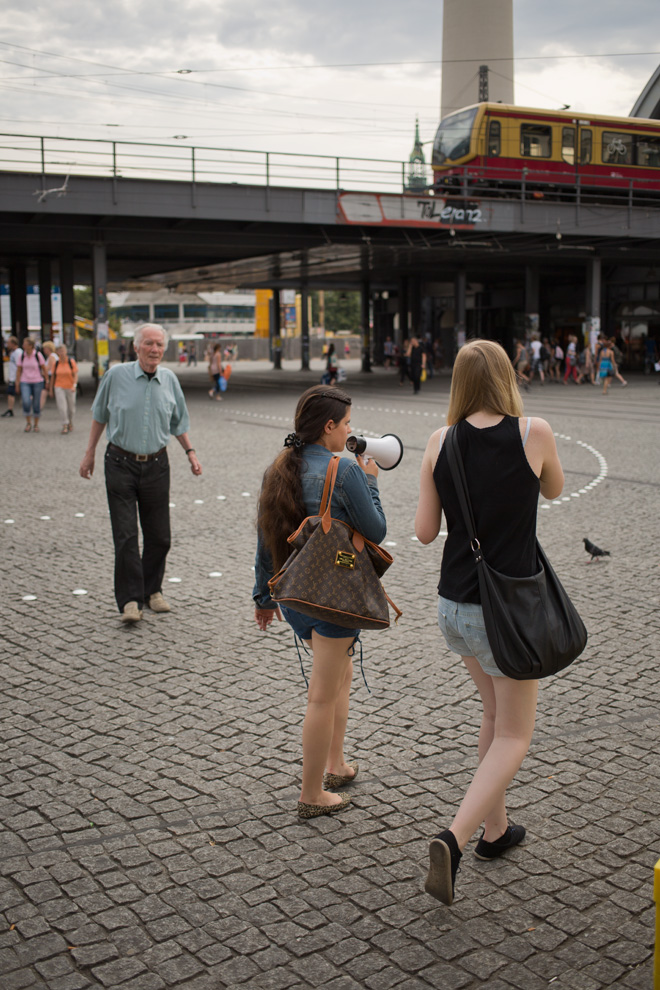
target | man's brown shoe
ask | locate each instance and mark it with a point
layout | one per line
(157, 603)
(131, 612)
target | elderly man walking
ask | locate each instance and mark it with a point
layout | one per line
(141, 404)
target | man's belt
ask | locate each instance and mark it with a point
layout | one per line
(137, 457)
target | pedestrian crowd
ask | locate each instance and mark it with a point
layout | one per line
(596, 363)
(35, 374)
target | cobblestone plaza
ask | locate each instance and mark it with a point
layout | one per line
(150, 774)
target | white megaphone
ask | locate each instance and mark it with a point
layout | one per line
(386, 451)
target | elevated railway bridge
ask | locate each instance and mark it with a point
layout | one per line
(128, 214)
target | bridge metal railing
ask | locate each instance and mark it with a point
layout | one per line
(45, 155)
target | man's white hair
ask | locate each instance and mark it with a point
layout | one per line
(141, 330)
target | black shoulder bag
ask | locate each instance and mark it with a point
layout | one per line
(533, 628)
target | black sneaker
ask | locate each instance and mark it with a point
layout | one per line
(444, 856)
(491, 850)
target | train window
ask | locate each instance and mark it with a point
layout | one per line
(568, 144)
(617, 148)
(586, 139)
(647, 151)
(494, 139)
(535, 140)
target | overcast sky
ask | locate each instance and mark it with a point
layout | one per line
(293, 75)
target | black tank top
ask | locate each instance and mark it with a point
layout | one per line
(504, 492)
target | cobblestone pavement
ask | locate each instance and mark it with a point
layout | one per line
(150, 774)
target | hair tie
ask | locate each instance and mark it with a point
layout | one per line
(293, 440)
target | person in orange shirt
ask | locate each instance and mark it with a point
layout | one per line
(63, 384)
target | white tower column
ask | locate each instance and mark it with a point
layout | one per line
(474, 33)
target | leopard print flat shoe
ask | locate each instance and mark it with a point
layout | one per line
(331, 781)
(316, 810)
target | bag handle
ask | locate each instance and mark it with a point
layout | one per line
(326, 499)
(460, 483)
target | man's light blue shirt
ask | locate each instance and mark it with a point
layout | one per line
(140, 413)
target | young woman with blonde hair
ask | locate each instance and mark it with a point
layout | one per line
(508, 459)
(292, 490)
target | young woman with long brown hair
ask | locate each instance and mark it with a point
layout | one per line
(292, 490)
(508, 459)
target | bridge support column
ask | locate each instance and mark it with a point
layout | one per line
(275, 331)
(532, 305)
(18, 300)
(304, 329)
(99, 283)
(592, 301)
(460, 291)
(365, 320)
(68, 306)
(404, 319)
(45, 302)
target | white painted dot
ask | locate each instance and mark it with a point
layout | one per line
(29, 598)
(390, 543)
(9, 521)
(215, 574)
(221, 498)
(414, 539)
(566, 498)
(172, 505)
(80, 515)
(546, 506)
(199, 501)
(245, 494)
(44, 517)
(78, 591)
(174, 580)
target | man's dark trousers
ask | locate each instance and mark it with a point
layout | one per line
(143, 487)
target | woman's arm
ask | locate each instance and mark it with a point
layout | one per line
(541, 452)
(429, 510)
(361, 499)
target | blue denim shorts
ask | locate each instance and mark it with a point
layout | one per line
(302, 626)
(462, 625)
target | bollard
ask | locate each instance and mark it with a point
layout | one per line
(656, 898)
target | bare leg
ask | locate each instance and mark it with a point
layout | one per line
(506, 732)
(336, 759)
(325, 718)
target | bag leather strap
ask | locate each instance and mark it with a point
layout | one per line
(326, 498)
(457, 469)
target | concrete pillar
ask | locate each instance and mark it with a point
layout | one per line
(532, 304)
(460, 290)
(45, 302)
(365, 321)
(304, 328)
(404, 320)
(68, 307)
(592, 301)
(415, 303)
(275, 331)
(99, 284)
(18, 300)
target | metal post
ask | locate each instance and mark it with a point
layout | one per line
(100, 278)
(274, 330)
(337, 172)
(365, 320)
(268, 182)
(45, 303)
(43, 164)
(630, 202)
(578, 199)
(193, 188)
(114, 173)
(304, 328)
(523, 194)
(18, 300)
(68, 317)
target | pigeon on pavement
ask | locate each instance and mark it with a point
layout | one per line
(595, 551)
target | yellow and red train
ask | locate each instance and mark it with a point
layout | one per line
(495, 147)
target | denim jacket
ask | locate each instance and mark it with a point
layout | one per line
(355, 500)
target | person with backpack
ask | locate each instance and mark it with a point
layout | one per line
(63, 385)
